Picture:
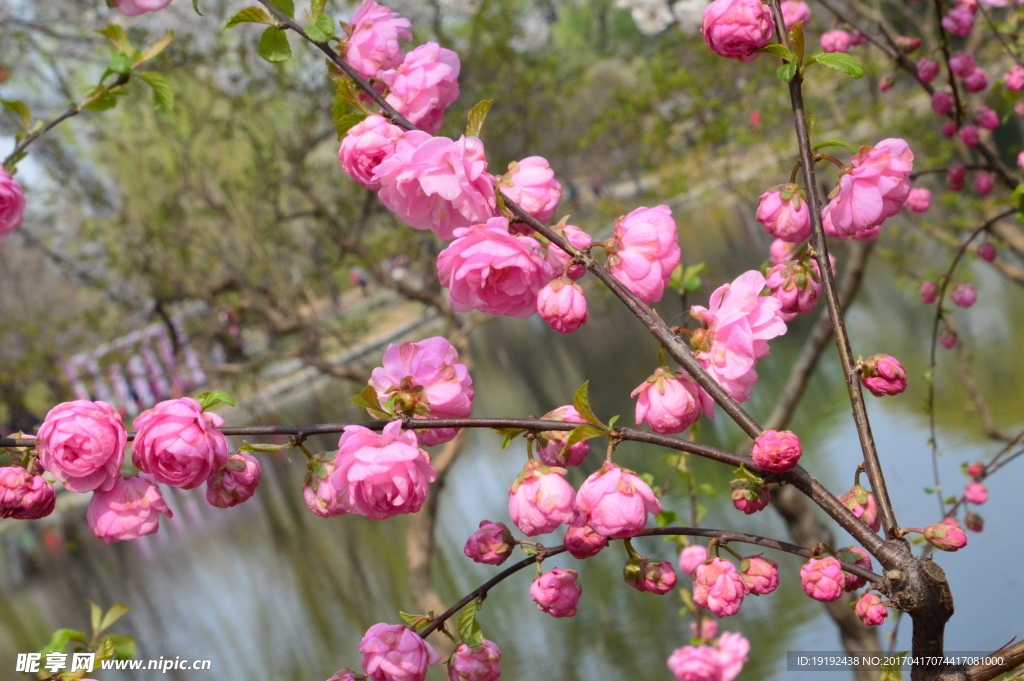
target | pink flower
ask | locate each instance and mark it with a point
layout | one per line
(776, 451)
(873, 190)
(690, 557)
(974, 522)
(24, 496)
(557, 260)
(373, 39)
(919, 199)
(732, 654)
(615, 502)
(871, 610)
(12, 204)
(235, 482)
(760, 576)
(976, 493)
(906, 44)
(959, 22)
(531, 184)
(945, 536)
(475, 664)
(796, 285)
(317, 491)
(582, 542)
(948, 339)
(128, 510)
(949, 128)
(984, 184)
(717, 587)
(429, 381)
(671, 402)
(976, 82)
(695, 663)
(794, 11)
(962, 64)
(749, 497)
(133, 8)
(987, 118)
(976, 469)
(862, 504)
(739, 323)
(986, 251)
(858, 557)
(562, 305)
(424, 85)
(654, 576)
(969, 135)
(736, 29)
(784, 213)
(857, 38)
(490, 270)
(929, 292)
(1014, 78)
(551, 442)
(492, 544)
(381, 475)
(886, 83)
(1020, 160)
(781, 251)
(927, 69)
(392, 652)
(178, 444)
(82, 443)
(835, 41)
(823, 579)
(540, 499)
(644, 249)
(883, 375)
(365, 145)
(437, 184)
(556, 592)
(964, 295)
(942, 102)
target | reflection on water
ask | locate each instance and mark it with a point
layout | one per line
(267, 590)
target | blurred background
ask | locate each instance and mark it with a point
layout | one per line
(218, 245)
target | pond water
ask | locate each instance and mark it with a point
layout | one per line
(269, 591)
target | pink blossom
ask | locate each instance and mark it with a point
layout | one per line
(949, 128)
(736, 29)
(556, 592)
(796, 285)
(948, 339)
(776, 451)
(749, 497)
(929, 292)
(974, 522)
(942, 102)
(984, 184)
(955, 176)
(670, 402)
(178, 444)
(130, 509)
(437, 184)
(739, 322)
(871, 610)
(781, 251)
(551, 442)
(732, 650)
(823, 579)
(366, 144)
(12, 204)
(481, 663)
(695, 663)
(615, 502)
(24, 496)
(969, 135)
(835, 41)
(976, 82)
(945, 536)
(883, 375)
(582, 542)
(927, 69)
(987, 118)
(959, 22)
(784, 213)
(373, 39)
(986, 251)
(907, 44)
(540, 499)
(379, 475)
(976, 469)
(760, 576)
(964, 295)
(717, 587)
(558, 260)
(858, 557)
(235, 482)
(492, 544)
(690, 557)
(133, 8)
(531, 184)
(562, 305)
(886, 83)
(644, 249)
(428, 380)
(976, 493)
(654, 576)
(81, 444)
(317, 491)
(919, 199)
(873, 190)
(962, 64)
(1014, 78)
(794, 11)
(490, 270)
(392, 652)
(424, 85)
(862, 504)
(857, 38)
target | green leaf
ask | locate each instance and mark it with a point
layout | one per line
(157, 47)
(702, 513)
(835, 142)
(274, 45)
(648, 478)
(99, 99)
(840, 61)
(286, 6)
(60, 640)
(317, 7)
(117, 36)
(707, 488)
(212, 397)
(263, 447)
(778, 50)
(163, 100)
(414, 621)
(690, 277)
(321, 30)
(475, 117)
(582, 403)
(665, 518)
(250, 15)
(20, 108)
(347, 121)
(580, 433)
(469, 628)
(195, 6)
(120, 64)
(123, 645)
(96, 616)
(116, 612)
(612, 421)
(509, 434)
(368, 400)
(787, 72)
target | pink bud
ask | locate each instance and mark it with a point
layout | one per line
(717, 587)
(860, 558)
(857, 38)
(1014, 78)
(540, 499)
(835, 41)
(475, 664)
(962, 64)
(871, 610)
(551, 442)
(959, 22)
(128, 510)
(975, 469)
(760, 576)
(883, 375)
(927, 69)
(784, 213)
(907, 44)
(670, 402)
(582, 542)
(950, 128)
(782, 251)
(12, 204)
(392, 652)
(317, 491)
(929, 292)
(695, 663)
(794, 11)
(373, 39)
(556, 592)
(235, 482)
(707, 629)
(919, 199)
(796, 285)
(986, 251)
(974, 522)
(615, 502)
(655, 576)
(736, 29)
(776, 451)
(556, 258)
(976, 493)
(976, 82)
(492, 544)
(690, 557)
(748, 496)
(964, 295)
(644, 248)
(531, 184)
(945, 536)
(948, 339)
(24, 496)
(969, 135)
(562, 305)
(987, 118)
(862, 504)
(983, 183)
(81, 444)
(823, 579)
(887, 83)
(955, 175)
(942, 102)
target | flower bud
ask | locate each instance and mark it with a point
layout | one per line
(562, 305)
(871, 610)
(929, 292)
(551, 442)
(475, 664)
(776, 451)
(317, 491)
(717, 587)
(964, 295)
(860, 558)
(823, 579)
(670, 402)
(835, 41)
(945, 536)
(366, 144)
(976, 469)
(706, 630)
(976, 82)
(948, 339)
(942, 102)
(781, 251)
(927, 69)
(986, 251)
(582, 542)
(644, 248)
(955, 176)
(748, 496)
(862, 504)
(974, 522)
(919, 199)
(984, 184)
(615, 502)
(883, 375)
(760, 576)
(128, 510)
(392, 652)
(962, 64)
(492, 544)
(959, 22)
(556, 592)
(235, 482)
(736, 29)
(541, 499)
(987, 118)
(969, 135)
(12, 204)
(690, 557)
(784, 213)
(1014, 78)
(796, 285)
(655, 576)
(976, 493)
(531, 184)
(794, 11)
(24, 496)
(950, 128)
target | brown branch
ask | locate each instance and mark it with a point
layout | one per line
(1013, 657)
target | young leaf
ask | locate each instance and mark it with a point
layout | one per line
(163, 100)
(796, 39)
(612, 421)
(840, 61)
(317, 7)
(665, 518)
(778, 50)
(116, 35)
(195, 6)
(787, 72)
(116, 612)
(580, 433)
(157, 47)
(469, 628)
(347, 121)
(582, 403)
(412, 620)
(263, 447)
(509, 434)
(250, 15)
(368, 400)
(60, 640)
(321, 30)
(120, 64)
(274, 45)
(99, 99)
(96, 616)
(286, 6)
(476, 116)
(20, 108)
(123, 646)
(834, 142)
(212, 397)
